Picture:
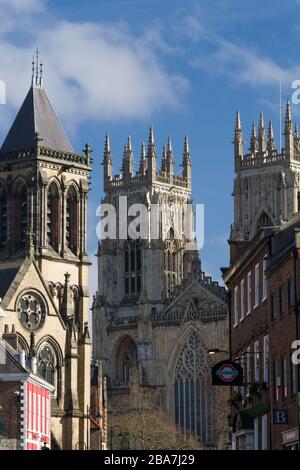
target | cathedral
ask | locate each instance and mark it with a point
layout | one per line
(44, 188)
(156, 314)
(266, 186)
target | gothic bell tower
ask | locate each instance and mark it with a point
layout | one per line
(44, 188)
(267, 182)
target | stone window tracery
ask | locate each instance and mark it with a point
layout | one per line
(194, 395)
(133, 267)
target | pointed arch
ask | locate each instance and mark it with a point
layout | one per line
(19, 214)
(193, 391)
(49, 363)
(126, 359)
(54, 215)
(72, 218)
(133, 267)
(263, 219)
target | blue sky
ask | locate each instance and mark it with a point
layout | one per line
(183, 66)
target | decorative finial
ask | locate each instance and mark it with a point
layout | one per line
(143, 161)
(253, 139)
(238, 126)
(186, 145)
(37, 70)
(271, 141)
(288, 116)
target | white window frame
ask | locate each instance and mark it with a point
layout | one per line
(256, 286)
(249, 292)
(242, 287)
(249, 370)
(266, 359)
(265, 279)
(256, 361)
(236, 306)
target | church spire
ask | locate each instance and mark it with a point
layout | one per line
(151, 155)
(253, 140)
(143, 161)
(238, 136)
(262, 145)
(170, 160)
(186, 162)
(164, 159)
(271, 141)
(288, 132)
(107, 161)
(127, 166)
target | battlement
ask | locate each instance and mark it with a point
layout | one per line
(262, 150)
(147, 172)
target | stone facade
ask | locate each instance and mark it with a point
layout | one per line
(267, 181)
(44, 186)
(156, 312)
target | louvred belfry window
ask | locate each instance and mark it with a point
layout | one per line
(53, 217)
(72, 220)
(3, 218)
(133, 268)
(19, 218)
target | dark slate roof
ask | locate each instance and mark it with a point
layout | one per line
(36, 115)
(6, 278)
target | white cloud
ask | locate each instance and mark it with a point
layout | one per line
(92, 71)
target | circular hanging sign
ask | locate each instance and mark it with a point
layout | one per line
(227, 373)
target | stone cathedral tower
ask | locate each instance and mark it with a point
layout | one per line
(43, 259)
(156, 312)
(267, 182)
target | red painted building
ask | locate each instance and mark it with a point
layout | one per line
(25, 400)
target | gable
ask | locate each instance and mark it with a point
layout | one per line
(196, 302)
(28, 276)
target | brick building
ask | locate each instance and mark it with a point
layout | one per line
(263, 280)
(25, 400)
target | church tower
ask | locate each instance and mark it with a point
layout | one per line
(44, 188)
(267, 182)
(154, 304)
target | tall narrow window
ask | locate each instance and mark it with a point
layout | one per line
(249, 370)
(273, 307)
(276, 380)
(242, 299)
(266, 358)
(256, 285)
(19, 217)
(194, 395)
(249, 293)
(290, 293)
(265, 280)
(293, 377)
(3, 218)
(281, 300)
(53, 217)
(171, 262)
(284, 377)
(256, 361)
(133, 268)
(72, 225)
(236, 306)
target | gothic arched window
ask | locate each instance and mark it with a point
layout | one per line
(72, 225)
(53, 217)
(133, 267)
(264, 221)
(48, 366)
(171, 262)
(3, 217)
(194, 394)
(19, 217)
(126, 360)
